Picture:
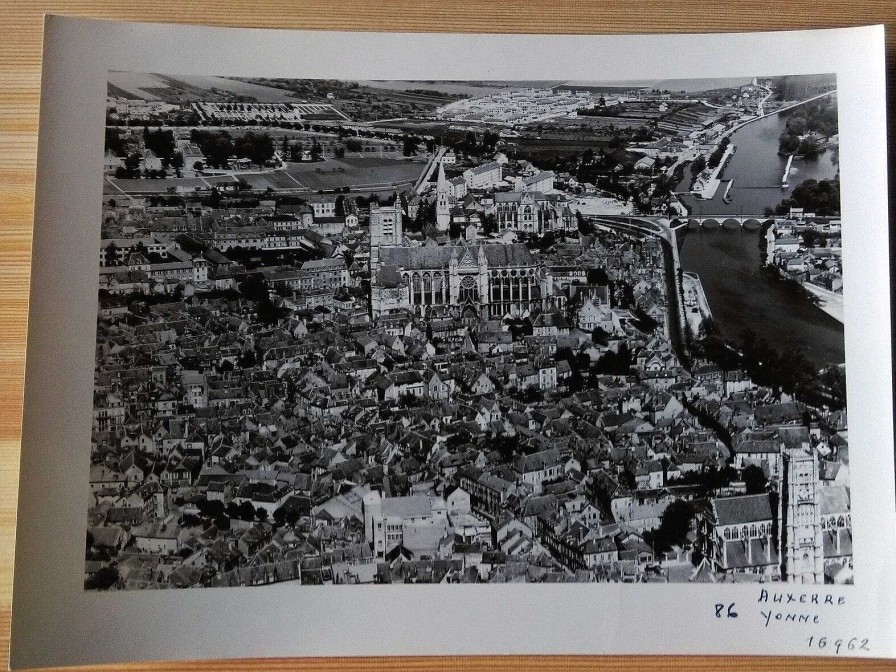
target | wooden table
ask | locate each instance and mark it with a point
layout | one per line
(20, 58)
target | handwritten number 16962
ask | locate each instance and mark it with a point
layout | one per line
(838, 645)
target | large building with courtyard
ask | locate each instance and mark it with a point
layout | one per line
(532, 212)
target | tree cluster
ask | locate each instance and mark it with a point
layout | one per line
(799, 87)
(602, 111)
(819, 196)
(789, 371)
(410, 144)
(718, 153)
(617, 363)
(160, 142)
(818, 117)
(813, 238)
(471, 145)
(130, 169)
(675, 523)
(219, 146)
(698, 165)
(114, 142)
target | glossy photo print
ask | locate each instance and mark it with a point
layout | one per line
(378, 332)
(338, 349)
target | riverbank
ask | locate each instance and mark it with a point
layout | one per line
(706, 188)
(675, 317)
(696, 306)
(831, 302)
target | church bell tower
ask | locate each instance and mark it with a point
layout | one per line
(443, 206)
(802, 545)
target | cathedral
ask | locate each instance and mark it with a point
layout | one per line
(471, 279)
(474, 280)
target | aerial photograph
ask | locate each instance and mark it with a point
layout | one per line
(389, 332)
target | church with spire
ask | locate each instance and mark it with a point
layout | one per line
(471, 279)
(443, 201)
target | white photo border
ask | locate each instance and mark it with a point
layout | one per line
(57, 622)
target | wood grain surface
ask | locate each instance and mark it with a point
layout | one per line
(21, 26)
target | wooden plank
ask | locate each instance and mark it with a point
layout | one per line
(21, 24)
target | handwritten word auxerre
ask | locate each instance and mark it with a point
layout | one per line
(802, 598)
(809, 598)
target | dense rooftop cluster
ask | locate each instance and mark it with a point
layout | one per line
(468, 383)
(235, 448)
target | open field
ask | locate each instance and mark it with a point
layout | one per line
(601, 205)
(365, 173)
(160, 186)
(277, 179)
(152, 86)
(351, 171)
(594, 88)
(549, 147)
(154, 186)
(471, 89)
(134, 84)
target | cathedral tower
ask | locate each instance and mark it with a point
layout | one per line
(385, 224)
(802, 546)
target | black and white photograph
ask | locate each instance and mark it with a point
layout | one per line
(395, 332)
(490, 345)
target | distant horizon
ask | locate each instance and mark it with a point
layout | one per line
(144, 84)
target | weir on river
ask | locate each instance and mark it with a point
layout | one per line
(784, 184)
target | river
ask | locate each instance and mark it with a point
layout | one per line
(741, 296)
(756, 171)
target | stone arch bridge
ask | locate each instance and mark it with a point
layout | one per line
(749, 222)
